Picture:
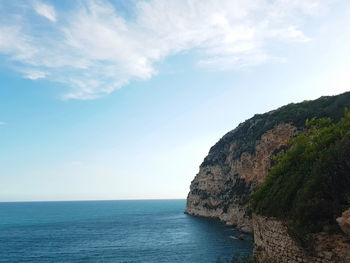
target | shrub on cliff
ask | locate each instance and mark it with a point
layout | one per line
(309, 184)
(248, 133)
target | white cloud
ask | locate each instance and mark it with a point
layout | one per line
(2, 123)
(34, 75)
(93, 50)
(45, 10)
(16, 43)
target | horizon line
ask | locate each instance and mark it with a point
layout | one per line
(91, 200)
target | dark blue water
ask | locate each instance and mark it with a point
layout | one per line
(113, 231)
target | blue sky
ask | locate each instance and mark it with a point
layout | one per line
(123, 99)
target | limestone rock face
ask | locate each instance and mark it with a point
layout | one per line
(344, 222)
(272, 243)
(239, 162)
(231, 171)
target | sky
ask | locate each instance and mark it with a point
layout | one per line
(122, 99)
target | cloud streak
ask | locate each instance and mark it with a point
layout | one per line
(34, 75)
(93, 50)
(45, 10)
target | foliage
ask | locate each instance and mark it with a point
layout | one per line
(248, 133)
(309, 185)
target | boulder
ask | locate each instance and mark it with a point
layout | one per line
(344, 222)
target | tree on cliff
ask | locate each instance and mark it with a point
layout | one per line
(309, 183)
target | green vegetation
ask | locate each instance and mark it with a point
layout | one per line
(248, 133)
(297, 113)
(309, 184)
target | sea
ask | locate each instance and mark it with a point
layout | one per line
(114, 231)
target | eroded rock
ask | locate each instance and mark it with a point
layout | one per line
(229, 174)
(344, 222)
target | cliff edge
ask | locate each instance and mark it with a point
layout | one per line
(239, 162)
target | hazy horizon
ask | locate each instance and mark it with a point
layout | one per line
(90, 200)
(116, 100)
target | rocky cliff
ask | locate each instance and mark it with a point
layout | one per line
(222, 187)
(273, 243)
(344, 222)
(239, 162)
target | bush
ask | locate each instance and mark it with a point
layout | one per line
(309, 185)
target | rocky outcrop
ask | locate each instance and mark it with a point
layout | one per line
(239, 162)
(272, 243)
(344, 222)
(222, 187)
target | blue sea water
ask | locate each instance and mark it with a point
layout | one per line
(113, 231)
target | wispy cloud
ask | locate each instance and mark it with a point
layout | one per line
(94, 50)
(34, 75)
(2, 123)
(45, 10)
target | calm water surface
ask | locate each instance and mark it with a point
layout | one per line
(113, 231)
